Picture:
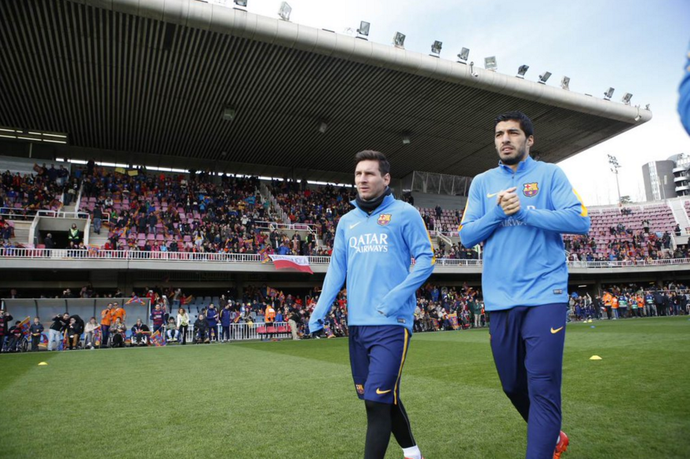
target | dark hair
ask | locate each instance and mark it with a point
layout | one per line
(525, 122)
(371, 155)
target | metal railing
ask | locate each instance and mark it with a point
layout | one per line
(63, 214)
(265, 225)
(94, 254)
(248, 331)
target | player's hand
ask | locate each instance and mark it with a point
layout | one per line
(381, 310)
(509, 201)
(315, 325)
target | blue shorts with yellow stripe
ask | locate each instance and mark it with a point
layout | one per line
(377, 356)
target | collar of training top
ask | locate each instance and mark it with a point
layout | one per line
(523, 166)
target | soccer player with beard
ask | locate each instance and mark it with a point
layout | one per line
(519, 210)
(373, 249)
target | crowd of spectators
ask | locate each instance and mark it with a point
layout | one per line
(21, 196)
(440, 220)
(448, 308)
(205, 213)
(174, 213)
(198, 213)
(631, 301)
(321, 208)
(623, 244)
(180, 318)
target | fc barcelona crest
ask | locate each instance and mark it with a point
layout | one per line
(530, 189)
(384, 219)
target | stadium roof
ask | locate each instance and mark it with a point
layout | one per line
(147, 82)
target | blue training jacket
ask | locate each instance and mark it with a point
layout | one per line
(684, 99)
(374, 253)
(524, 256)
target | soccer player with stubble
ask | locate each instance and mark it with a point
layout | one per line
(373, 249)
(519, 210)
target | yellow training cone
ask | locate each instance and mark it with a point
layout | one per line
(42, 364)
(595, 357)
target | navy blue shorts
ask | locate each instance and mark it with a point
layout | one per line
(377, 356)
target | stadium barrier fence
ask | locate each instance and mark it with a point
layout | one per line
(249, 331)
(96, 253)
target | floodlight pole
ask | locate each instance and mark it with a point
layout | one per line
(613, 162)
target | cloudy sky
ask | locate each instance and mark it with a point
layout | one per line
(636, 46)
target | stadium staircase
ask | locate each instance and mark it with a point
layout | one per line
(274, 210)
(22, 229)
(678, 207)
(446, 240)
(98, 240)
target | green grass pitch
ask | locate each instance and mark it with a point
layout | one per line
(296, 399)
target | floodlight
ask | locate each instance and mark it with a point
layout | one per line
(544, 78)
(242, 3)
(565, 83)
(284, 11)
(436, 48)
(406, 138)
(229, 114)
(522, 70)
(363, 28)
(608, 94)
(322, 127)
(490, 63)
(464, 55)
(399, 40)
(626, 98)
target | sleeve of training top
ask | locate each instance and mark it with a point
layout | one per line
(417, 239)
(684, 99)
(335, 278)
(570, 214)
(476, 225)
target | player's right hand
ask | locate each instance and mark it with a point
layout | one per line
(509, 201)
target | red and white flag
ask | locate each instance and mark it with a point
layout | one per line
(292, 262)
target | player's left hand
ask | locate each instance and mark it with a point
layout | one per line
(380, 308)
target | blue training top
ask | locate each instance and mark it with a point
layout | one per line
(374, 252)
(684, 99)
(524, 256)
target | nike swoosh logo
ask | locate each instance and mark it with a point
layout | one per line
(553, 332)
(381, 392)
(352, 226)
(491, 195)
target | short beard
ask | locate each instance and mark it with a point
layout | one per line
(515, 160)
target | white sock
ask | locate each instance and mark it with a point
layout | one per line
(412, 452)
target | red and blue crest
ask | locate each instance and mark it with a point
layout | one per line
(384, 219)
(530, 189)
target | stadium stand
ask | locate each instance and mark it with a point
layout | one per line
(226, 227)
(22, 195)
(633, 233)
(203, 213)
